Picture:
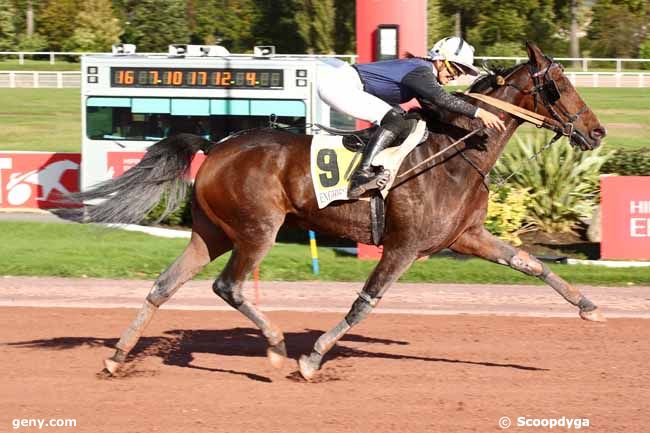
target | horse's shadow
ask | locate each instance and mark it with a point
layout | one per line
(178, 347)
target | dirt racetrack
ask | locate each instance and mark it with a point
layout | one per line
(432, 358)
(205, 371)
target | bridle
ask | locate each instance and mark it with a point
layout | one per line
(545, 89)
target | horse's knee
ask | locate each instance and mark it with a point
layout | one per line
(361, 308)
(228, 293)
(524, 262)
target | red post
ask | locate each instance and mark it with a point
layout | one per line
(410, 17)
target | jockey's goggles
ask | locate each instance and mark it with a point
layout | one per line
(455, 73)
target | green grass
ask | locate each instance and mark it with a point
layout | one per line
(49, 119)
(40, 119)
(625, 112)
(67, 250)
(12, 64)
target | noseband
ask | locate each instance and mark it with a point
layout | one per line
(545, 89)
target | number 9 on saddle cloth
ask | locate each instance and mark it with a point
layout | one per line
(335, 157)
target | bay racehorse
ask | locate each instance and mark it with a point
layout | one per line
(253, 182)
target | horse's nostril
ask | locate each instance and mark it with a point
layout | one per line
(598, 133)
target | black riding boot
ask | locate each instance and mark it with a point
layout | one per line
(391, 127)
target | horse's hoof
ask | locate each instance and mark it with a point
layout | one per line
(593, 315)
(111, 366)
(277, 355)
(307, 369)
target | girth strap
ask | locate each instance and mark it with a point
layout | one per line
(377, 217)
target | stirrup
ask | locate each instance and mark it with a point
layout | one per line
(378, 181)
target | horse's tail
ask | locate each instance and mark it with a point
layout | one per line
(129, 197)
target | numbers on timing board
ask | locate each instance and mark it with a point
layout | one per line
(326, 161)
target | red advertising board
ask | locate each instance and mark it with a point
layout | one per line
(369, 252)
(37, 179)
(625, 217)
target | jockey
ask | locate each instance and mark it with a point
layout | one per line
(372, 92)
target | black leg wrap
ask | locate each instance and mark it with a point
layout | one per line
(119, 356)
(545, 271)
(279, 349)
(360, 309)
(586, 305)
(225, 292)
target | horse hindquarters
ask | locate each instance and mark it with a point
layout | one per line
(238, 187)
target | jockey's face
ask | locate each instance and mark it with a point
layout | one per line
(445, 73)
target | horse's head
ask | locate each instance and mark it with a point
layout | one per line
(550, 93)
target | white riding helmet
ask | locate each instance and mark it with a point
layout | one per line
(456, 51)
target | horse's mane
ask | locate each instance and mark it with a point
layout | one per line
(443, 121)
(488, 80)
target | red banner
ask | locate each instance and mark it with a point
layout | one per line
(625, 218)
(37, 179)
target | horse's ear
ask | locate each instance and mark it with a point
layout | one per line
(535, 54)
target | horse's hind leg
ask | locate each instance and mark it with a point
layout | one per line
(478, 242)
(207, 243)
(229, 286)
(392, 264)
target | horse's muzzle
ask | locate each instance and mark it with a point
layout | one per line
(594, 140)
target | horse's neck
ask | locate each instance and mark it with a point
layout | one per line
(497, 144)
(486, 158)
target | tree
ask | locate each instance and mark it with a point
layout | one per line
(345, 40)
(315, 22)
(500, 28)
(7, 30)
(544, 27)
(225, 22)
(467, 10)
(439, 25)
(276, 25)
(97, 28)
(56, 22)
(154, 24)
(618, 27)
(574, 42)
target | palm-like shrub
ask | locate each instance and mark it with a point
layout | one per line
(563, 182)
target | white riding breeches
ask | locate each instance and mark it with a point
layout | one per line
(341, 88)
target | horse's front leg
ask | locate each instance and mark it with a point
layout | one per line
(477, 241)
(392, 264)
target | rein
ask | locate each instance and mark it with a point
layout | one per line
(549, 94)
(437, 154)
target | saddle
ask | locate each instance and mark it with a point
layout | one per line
(355, 141)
